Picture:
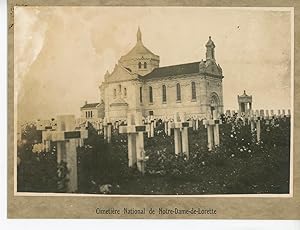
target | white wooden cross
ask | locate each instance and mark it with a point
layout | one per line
(66, 137)
(258, 128)
(267, 117)
(135, 131)
(107, 129)
(46, 125)
(279, 113)
(195, 122)
(181, 139)
(252, 121)
(150, 122)
(165, 122)
(241, 116)
(213, 135)
(169, 126)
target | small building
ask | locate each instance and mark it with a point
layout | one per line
(92, 110)
(245, 103)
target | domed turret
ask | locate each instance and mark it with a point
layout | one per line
(139, 59)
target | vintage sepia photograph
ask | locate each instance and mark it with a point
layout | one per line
(153, 101)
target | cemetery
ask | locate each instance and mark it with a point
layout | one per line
(231, 153)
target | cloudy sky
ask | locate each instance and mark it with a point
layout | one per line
(62, 53)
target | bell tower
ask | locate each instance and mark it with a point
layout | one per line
(210, 49)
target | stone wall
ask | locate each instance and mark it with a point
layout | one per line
(206, 87)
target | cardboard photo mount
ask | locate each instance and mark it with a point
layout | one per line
(36, 205)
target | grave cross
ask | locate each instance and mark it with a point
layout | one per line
(181, 140)
(169, 126)
(46, 125)
(258, 127)
(195, 122)
(107, 128)
(252, 121)
(241, 117)
(66, 136)
(135, 131)
(166, 123)
(149, 121)
(213, 135)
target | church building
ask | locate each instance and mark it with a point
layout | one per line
(138, 83)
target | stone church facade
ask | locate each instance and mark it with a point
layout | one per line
(138, 83)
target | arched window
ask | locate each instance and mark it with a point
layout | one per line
(115, 93)
(150, 94)
(141, 94)
(91, 113)
(140, 65)
(125, 92)
(194, 95)
(145, 65)
(86, 114)
(164, 93)
(178, 92)
(120, 88)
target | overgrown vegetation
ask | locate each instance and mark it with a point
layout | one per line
(240, 165)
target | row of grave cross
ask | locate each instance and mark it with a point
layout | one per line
(136, 127)
(254, 118)
(67, 136)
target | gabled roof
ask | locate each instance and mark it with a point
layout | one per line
(119, 102)
(120, 73)
(90, 105)
(207, 67)
(188, 68)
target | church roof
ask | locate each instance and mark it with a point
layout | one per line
(207, 67)
(188, 68)
(90, 105)
(139, 50)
